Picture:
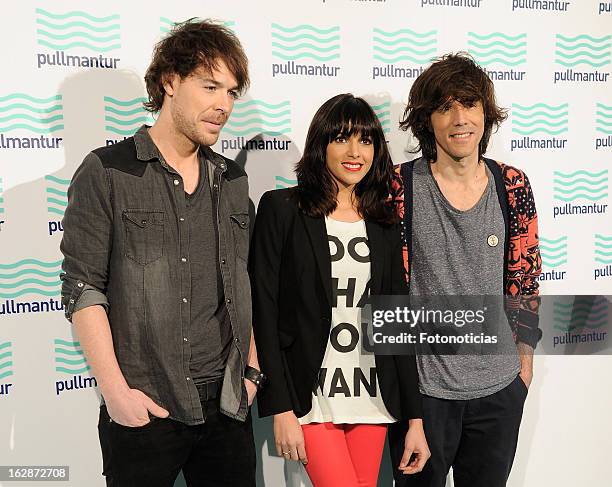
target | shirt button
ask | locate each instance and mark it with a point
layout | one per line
(176, 182)
(228, 300)
(188, 378)
(223, 261)
(184, 300)
(185, 339)
(236, 340)
(183, 259)
(181, 219)
(215, 185)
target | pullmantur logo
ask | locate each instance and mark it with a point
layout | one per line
(604, 8)
(451, 3)
(69, 360)
(283, 182)
(6, 368)
(554, 256)
(603, 125)
(539, 118)
(580, 321)
(319, 45)
(57, 201)
(503, 51)
(410, 48)
(30, 278)
(123, 117)
(166, 25)
(383, 112)
(603, 255)
(68, 35)
(31, 121)
(582, 50)
(256, 125)
(546, 5)
(580, 185)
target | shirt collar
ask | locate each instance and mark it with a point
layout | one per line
(147, 151)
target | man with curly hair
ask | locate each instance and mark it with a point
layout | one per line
(155, 277)
(469, 229)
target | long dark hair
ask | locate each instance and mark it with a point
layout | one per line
(451, 77)
(344, 115)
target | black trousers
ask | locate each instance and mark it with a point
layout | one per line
(218, 453)
(477, 438)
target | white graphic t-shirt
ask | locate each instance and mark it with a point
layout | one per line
(347, 390)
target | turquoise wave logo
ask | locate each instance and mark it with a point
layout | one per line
(603, 249)
(498, 48)
(69, 358)
(30, 276)
(583, 49)
(1, 197)
(604, 118)
(6, 360)
(553, 252)
(57, 194)
(305, 42)
(77, 29)
(584, 312)
(383, 112)
(404, 45)
(166, 25)
(282, 182)
(20, 111)
(592, 186)
(539, 118)
(259, 117)
(124, 117)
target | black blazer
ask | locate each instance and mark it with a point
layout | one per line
(290, 270)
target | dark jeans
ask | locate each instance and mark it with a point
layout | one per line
(477, 438)
(218, 453)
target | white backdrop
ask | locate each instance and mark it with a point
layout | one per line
(72, 81)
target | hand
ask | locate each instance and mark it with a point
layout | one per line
(526, 358)
(289, 437)
(251, 390)
(526, 375)
(415, 446)
(131, 407)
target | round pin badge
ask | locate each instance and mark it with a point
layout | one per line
(492, 240)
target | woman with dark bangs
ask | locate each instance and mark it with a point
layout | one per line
(318, 252)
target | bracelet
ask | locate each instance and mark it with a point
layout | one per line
(255, 376)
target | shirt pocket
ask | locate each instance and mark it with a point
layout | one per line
(240, 232)
(144, 235)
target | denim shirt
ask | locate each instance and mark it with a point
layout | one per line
(124, 244)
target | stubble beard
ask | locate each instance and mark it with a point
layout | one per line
(190, 130)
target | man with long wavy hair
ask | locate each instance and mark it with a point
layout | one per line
(469, 228)
(155, 278)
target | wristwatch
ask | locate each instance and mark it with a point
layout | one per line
(255, 376)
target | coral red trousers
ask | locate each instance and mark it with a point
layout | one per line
(344, 455)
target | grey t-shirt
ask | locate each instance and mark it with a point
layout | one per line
(210, 331)
(454, 253)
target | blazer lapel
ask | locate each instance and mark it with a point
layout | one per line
(377, 252)
(320, 246)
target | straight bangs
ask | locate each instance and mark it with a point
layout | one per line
(353, 116)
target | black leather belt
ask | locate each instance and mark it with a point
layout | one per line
(210, 390)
